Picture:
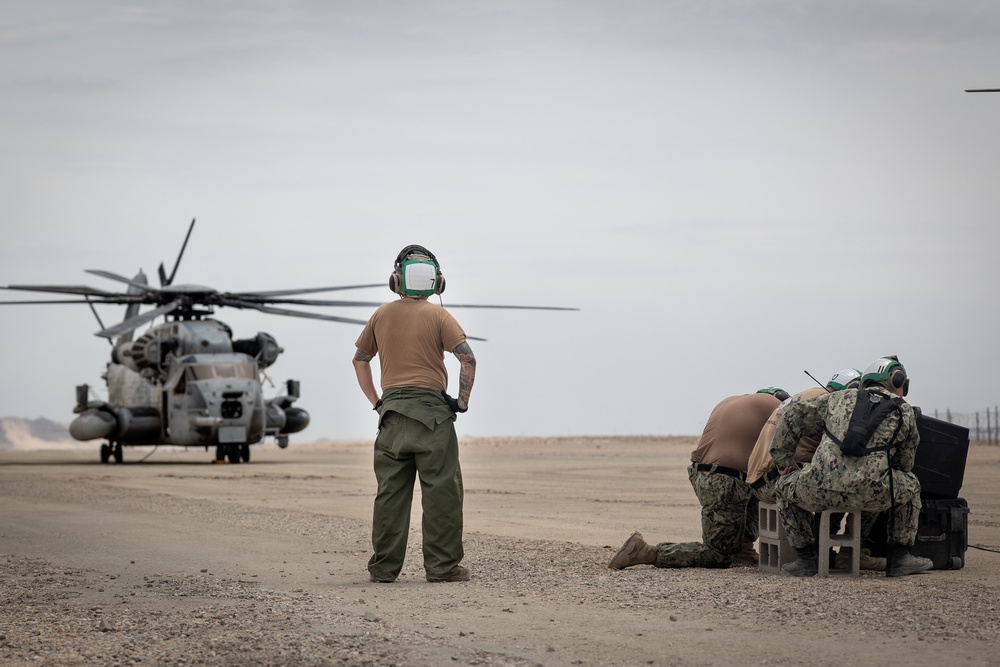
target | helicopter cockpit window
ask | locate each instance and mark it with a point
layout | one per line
(221, 370)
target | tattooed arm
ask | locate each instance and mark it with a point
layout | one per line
(467, 374)
(363, 369)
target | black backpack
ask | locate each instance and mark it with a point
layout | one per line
(870, 410)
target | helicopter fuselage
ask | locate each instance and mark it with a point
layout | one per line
(188, 383)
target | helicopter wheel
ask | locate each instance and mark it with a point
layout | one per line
(105, 452)
(233, 453)
(245, 453)
(116, 451)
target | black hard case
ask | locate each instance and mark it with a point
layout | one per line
(943, 532)
(939, 462)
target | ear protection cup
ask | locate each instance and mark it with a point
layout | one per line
(395, 282)
(782, 395)
(900, 381)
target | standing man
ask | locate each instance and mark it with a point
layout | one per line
(717, 472)
(868, 440)
(416, 420)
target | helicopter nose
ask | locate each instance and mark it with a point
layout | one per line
(231, 407)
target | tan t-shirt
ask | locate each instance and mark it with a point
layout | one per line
(410, 337)
(760, 458)
(732, 430)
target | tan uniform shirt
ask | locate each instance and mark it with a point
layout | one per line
(760, 458)
(410, 337)
(732, 430)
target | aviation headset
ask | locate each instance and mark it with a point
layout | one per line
(416, 272)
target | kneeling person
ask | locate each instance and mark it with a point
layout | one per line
(717, 473)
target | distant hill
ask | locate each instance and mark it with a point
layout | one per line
(41, 433)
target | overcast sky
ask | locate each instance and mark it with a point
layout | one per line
(732, 192)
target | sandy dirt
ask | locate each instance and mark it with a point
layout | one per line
(175, 561)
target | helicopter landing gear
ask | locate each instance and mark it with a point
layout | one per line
(108, 450)
(282, 441)
(233, 453)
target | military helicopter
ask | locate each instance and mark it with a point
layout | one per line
(187, 382)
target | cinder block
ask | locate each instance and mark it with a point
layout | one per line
(773, 549)
(848, 541)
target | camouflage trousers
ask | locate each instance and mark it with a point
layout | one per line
(728, 520)
(798, 498)
(765, 492)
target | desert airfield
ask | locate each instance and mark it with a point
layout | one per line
(175, 561)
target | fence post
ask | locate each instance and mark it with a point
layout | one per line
(979, 436)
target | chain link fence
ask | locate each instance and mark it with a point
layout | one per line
(983, 426)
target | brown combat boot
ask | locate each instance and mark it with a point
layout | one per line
(460, 573)
(866, 560)
(806, 565)
(748, 557)
(635, 551)
(901, 562)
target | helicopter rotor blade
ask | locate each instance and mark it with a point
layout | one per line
(62, 289)
(476, 305)
(139, 320)
(376, 304)
(323, 302)
(40, 303)
(292, 292)
(98, 318)
(236, 303)
(164, 279)
(122, 279)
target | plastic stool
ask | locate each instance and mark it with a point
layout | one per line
(849, 541)
(773, 550)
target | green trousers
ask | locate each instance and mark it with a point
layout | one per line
(406, 449)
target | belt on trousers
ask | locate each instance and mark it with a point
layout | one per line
(769, 476)
(711, 467)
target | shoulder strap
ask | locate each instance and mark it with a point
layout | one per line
(870, 410)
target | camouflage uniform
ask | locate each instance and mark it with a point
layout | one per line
(728, 519)
(834, 479)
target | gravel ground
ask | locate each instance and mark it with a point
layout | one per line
(187, 564)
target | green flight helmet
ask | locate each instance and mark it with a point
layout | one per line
(416, 272)
(888, 372)
(777, 392)
(845, 379)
